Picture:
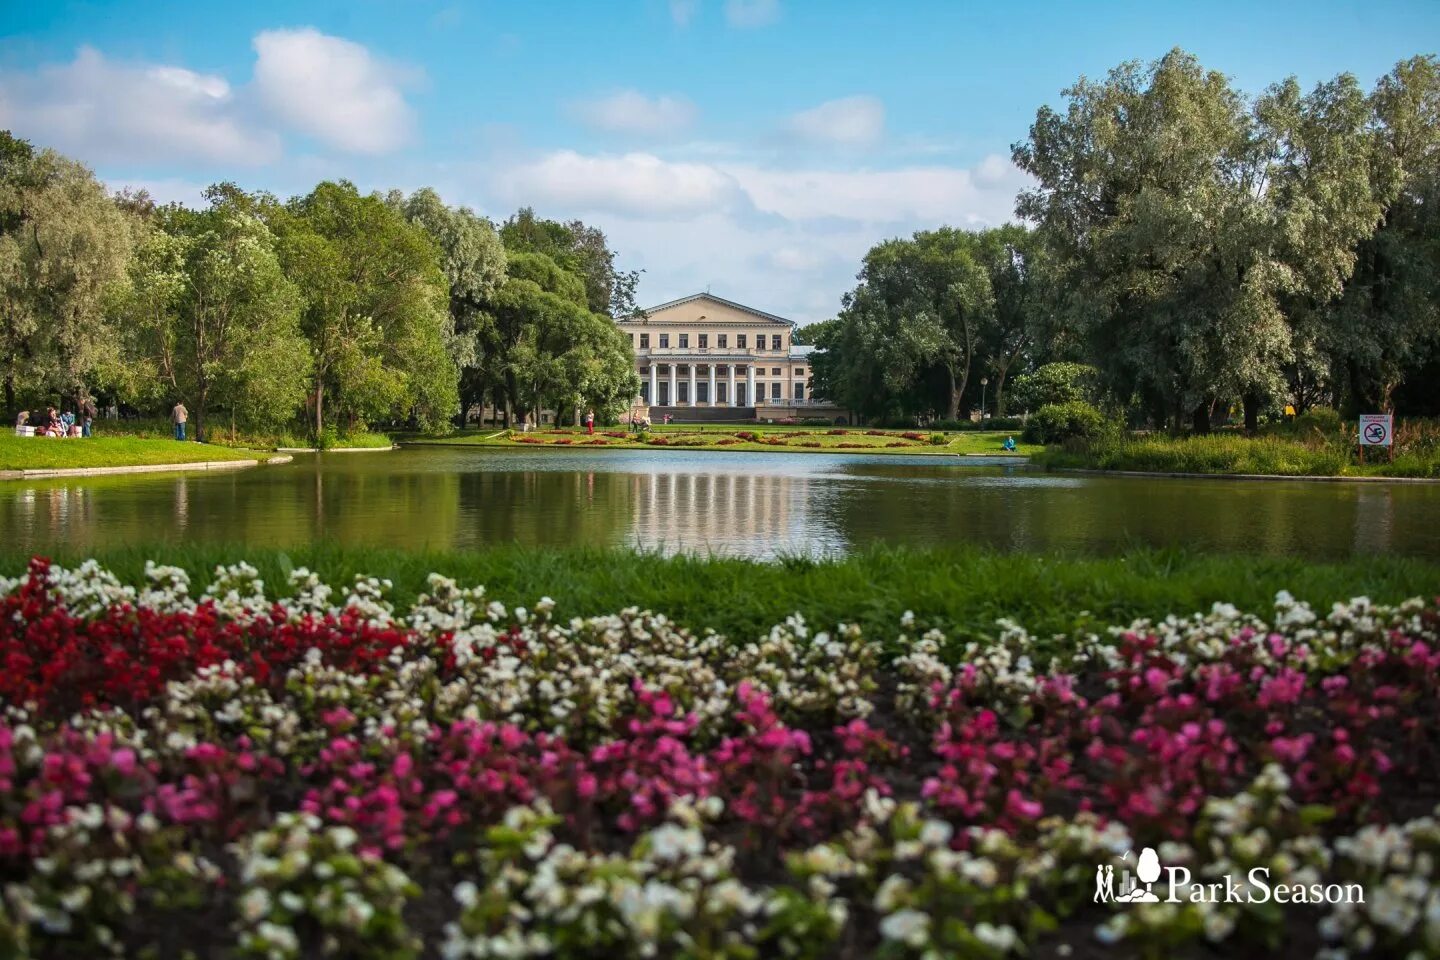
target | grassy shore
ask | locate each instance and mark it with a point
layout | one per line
(960, 591)
(157, 428)
(48, 453)
(749, 439)
(1231, 454)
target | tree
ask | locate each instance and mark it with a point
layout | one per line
(1012, 258)
(578, 249)
(373, 308)
(1388, 320)
(64, 247)
(1191, 222)
(212, 314)
(473, 261)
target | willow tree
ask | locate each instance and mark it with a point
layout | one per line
(211, 314)
(373, 308)
(64, 248)
(1188, 219)
(472, 259)
(1388, 321)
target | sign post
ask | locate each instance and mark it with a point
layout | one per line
(1377, 430)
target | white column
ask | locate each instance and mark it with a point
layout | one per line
(692, 385)
(712, 385)
(734, 402)
(750, 383)
(654, 384)
(674, 385)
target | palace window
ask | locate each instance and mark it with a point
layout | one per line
(775, 390)
(684, 341)
(740, 340)
(664, 340)
(774, 371)
(775, 342)
(644, 341)
(704, 340)
(799, 371)
(722, 339)
(799, 391)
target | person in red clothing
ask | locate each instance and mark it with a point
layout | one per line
(590, 422)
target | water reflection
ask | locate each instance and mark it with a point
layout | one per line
(746, 504)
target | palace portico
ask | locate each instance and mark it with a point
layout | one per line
(703, 352)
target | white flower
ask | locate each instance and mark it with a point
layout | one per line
(910, 927)
(255, 904)
(1001, 937)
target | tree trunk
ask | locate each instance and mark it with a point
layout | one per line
(952, 409)
(202, 396)
(319, 410)
(1252, 412)
(1200, 422)
(10, 393)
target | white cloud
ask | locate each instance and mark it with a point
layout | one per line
(787, 240)
(849, 121)
(983, 196)
(332, 89)
(631, 112)
(101, 110)
(683, 11)
(751, 13)
(794, 259)
(633, 183)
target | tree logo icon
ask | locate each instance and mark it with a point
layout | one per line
(1147, 869)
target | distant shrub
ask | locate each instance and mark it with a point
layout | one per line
(1321, 419)
(1055, 384)
(937, 439)
(1059, 422)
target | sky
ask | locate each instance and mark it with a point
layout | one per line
(755, 148)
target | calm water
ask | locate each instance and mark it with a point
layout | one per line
(749, 504)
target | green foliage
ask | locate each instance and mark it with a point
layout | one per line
(63, 253)
(908, 337)
(1056, 383)
(1059, 422)
(212, 318)
(1192, 227)
(374, 308)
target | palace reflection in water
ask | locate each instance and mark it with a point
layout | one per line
(760, 505)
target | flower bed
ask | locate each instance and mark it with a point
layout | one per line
(320, 774)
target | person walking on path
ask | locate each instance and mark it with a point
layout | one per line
(590, 422)
(179, 416)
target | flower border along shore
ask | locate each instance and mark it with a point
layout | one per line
(238, 775)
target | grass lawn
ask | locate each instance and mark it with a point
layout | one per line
(159, 428)
(960, 591)
(48, 453)
(751, 438)
(1233, 454)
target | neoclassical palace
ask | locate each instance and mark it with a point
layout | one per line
(705, 353)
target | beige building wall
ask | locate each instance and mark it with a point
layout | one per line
(705, 351)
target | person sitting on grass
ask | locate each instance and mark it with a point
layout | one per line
(1010, 444)
(22, 418)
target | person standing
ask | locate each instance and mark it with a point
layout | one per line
(590, 422)
(179, 416)
(88, 413)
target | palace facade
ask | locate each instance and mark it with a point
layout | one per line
(703, 357)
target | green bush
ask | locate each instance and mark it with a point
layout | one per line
(937, 439)
(1321, 419)
(1055, 383)
(1059, 422)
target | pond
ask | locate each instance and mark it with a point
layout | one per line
(750, 504)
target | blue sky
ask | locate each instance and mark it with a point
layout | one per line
(757, 147)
